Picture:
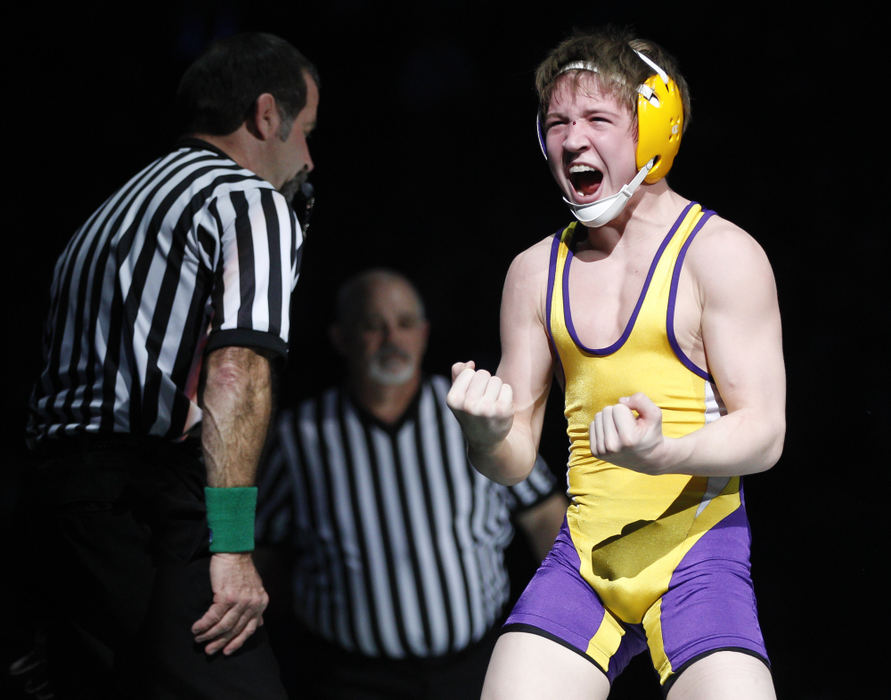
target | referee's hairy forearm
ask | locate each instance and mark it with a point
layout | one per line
(236, 407)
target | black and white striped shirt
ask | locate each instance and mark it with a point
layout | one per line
(192, 254)
(399, 540)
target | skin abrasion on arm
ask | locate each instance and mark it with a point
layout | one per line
(236, 407)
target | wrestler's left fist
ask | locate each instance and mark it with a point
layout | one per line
(629, 434)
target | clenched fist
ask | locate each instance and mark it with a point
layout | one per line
(629, 434)
(482, 403)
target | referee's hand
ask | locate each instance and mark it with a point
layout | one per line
(239, 600)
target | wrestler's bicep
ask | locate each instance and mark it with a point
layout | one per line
(741, 330)
(526, 361)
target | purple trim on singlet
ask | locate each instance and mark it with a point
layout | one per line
(567, 314)
(552, 272)
(672, 298)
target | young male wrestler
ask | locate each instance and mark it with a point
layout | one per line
(660, 321)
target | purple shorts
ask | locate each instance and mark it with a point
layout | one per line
(708, 605)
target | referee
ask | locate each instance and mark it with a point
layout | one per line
(397, 542)
(168, 308)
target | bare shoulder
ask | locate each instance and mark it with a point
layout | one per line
(535, 257)
(528, 272)
(723, 255)
(525, 287)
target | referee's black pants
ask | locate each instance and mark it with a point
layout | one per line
(119, 549)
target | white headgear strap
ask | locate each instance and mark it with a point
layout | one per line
(605, 210)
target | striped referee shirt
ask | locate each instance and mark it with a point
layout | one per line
(192, 254)
(399, 541)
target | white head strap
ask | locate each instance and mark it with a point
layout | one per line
(578, 65)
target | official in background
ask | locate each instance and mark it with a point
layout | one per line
(168, 308)
(398, 543)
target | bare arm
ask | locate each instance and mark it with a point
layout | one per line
(542, 522)
(236, 406)
(741, 334)
(501, 415)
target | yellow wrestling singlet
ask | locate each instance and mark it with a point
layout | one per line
(632, 529)
(658, 562)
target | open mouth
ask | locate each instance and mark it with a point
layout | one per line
(584, 179)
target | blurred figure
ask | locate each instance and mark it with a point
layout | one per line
(398, 543)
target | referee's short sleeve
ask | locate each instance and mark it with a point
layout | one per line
(260, 251)
(539, 485)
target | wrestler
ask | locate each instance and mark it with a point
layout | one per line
(660, 321)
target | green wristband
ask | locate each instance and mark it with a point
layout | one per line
(230, 517)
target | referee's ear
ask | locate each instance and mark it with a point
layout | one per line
(264, 120)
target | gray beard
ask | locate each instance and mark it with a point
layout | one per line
(380, 373)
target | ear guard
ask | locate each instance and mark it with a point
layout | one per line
(660, 121)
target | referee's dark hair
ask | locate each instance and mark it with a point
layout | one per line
(218, 91)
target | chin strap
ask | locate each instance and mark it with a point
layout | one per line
(605, 210)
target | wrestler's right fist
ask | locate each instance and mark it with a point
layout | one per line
(482, 403)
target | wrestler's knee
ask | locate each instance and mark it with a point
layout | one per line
(724, 675)
(525, 665)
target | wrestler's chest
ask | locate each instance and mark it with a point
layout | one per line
(607, 300)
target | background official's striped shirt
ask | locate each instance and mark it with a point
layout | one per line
(192, 254)
(399, 540)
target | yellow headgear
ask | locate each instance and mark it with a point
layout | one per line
(660, 121)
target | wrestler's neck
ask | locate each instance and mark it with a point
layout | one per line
(386, 402)
(650, 212)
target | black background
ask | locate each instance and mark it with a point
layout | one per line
(426, 161)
